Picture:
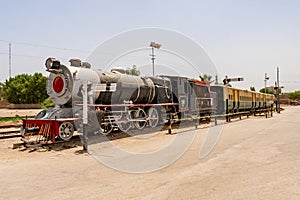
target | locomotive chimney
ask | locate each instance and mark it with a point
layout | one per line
(52, 64)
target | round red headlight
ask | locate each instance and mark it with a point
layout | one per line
(58, 84)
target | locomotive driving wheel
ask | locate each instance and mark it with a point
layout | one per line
(106, 128)
(140, 117)
(123, 122)
(66, 131)
(153, 118)
(124, 126)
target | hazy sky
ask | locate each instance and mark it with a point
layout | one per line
(243, 38)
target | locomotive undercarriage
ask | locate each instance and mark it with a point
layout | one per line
(127, 118)
(106, 120)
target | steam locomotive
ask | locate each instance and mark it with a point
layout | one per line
(117, 100)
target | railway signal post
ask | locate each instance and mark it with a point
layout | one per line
(266, 79)
(226, 82)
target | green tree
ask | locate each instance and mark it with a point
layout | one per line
(206, 78)
(252, 88)
(26, 88)
(268, 91)
(294, 95)
(133, 71)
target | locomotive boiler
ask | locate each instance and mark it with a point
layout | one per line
(110, 87)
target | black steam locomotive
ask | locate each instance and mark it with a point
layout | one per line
(120, 101)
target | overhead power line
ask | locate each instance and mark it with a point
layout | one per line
(289, 81)
(22, 55)
(43, 46)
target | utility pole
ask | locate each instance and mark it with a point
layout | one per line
(9, 60)
(278, 91)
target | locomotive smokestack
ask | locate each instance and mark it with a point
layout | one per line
(52, 63)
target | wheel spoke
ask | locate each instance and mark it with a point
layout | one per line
(66, 130)
(140, 116)
(122, 122)
(106, 128)
(153, 117)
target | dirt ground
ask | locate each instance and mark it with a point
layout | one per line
(18, 112)
(255, 158)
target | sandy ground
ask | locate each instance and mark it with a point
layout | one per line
(19, 112)
(255, 158)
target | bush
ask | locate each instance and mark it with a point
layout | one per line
(133, 71)
(24, 89)
(268, 91)
(47, 103)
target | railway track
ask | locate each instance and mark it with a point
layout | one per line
(9, 132)
(17, 125)
(76, 141)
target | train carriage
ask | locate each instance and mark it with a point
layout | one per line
(245, 100)
(241, 100)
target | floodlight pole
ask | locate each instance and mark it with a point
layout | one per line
(153, 58)
(153, 45)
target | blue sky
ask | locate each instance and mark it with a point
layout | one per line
(242, 38)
